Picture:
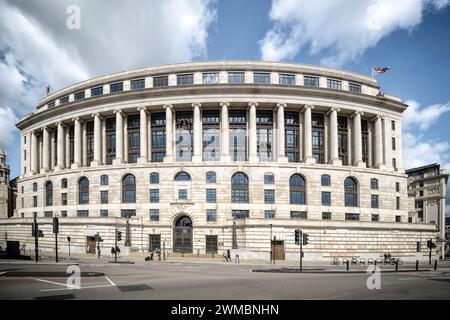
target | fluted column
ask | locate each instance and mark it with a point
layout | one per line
(357, 139)
(169, 133)
(253, 154)
(52, 150)
(225, 133)
(281, 133)
(60, 141)
(34, 153)
(45, 149)
(334, 152)
(85, 146)
(97, 140)
(29, 154)
(197, 133)
(143, 140)
(119, 137)
(308, 158)
(77, 144)
(378, 142)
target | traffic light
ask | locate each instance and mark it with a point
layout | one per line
(305, 239)
(430, 244)
(297, 236)
(40, 234)
(55, 225)
(119, 235)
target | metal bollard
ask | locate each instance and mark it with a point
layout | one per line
(396, 265)
(435, 264)
(417, 265)
(348, 267)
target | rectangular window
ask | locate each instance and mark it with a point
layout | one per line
(393, 144)
(154, 195)
(326, 215)
(211, 244)
(397, 187)
(334, 84)
(51, 104)
(392, 125)
(79, 95)
(103, 213)
(64, 100)
(182, 194)
(352, 216)
(264, 135)
(394, 163)
(240, 214)
(23, 203)
(210, 78)
(116, 87)
(353, 87)
(292, 136)
(64, 199)
(160, 81)
(211, 195)
(261, 78)
(97, 91)
(269, 196)
(103, 197)
(158, 127)
(63, 214)
(311, 81)
(110, 140)
(375, 217)
(211, 215)
(287, 79)
(35, 202)
(269, 214)
(154, 214)
(269, 179)
(299, 215)
(137, 84)
(374, 201)
(238, 135)
(326, 198)
(185, 79)
(82, 213)
(318, 137)
(397, 200)
(184, 136)
(134, 135)
(128, 213)
(48, 214)
(398, 218)
(236, 77)
(211, 135)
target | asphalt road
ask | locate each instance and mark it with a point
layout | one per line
(198, 281)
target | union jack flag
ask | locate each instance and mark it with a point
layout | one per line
(378, 70)
(47, 90)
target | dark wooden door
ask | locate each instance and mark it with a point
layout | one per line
(278, 249)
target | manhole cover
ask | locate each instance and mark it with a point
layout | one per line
(137, 287)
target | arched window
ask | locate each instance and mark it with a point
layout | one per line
(210, 177)
(104, 180)
(239, 188)
(83, 191)
(351, 192)
(183, 176)
(297, 189)
(269, 178)
(374, 184)
(63, 183)
(325, 180)
(154, 178)
(129, 189)
(49, 193)
(34, 186)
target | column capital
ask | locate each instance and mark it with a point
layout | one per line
(307, 106)
(224, 104)
(375, 118)
(144, 108)
(251, 104)
(196, 104)
(119, 111)
(60, 123)
(168, 106)
(97, 115)
(76, 119)
(337, 109)
(281, 105)
(356, 113)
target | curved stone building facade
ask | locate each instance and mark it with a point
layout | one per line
(205, 156)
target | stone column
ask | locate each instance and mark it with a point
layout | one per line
(29, 153)
(67, 150)
(225, 133)
(104, 141)
(125, 138)
(34, 153)
(334, 152)
(197, 136)
(169, 133)
(45, 149)
(77, 144)
(60, 159)
(119, 137)
(84, 139)
(357, 140)
(308, 158)
(97, 140)
(281, 133)
(378, 163)
(143, 139)
(52, 149)
(253, 154)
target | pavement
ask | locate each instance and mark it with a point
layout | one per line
(206, 278)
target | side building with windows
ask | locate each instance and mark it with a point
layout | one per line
(207, 156)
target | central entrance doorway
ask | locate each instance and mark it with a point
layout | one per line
(182, 235)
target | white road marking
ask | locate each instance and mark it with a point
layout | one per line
(90, 287)
(68, 286)
(109, 280)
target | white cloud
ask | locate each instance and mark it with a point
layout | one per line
(423, 117)
(418, 151)
(342, 29)
(7, 128)
(36, 47)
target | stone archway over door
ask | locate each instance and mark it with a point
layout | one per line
(182, 235)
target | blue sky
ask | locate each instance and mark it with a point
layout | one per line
(410, 36)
